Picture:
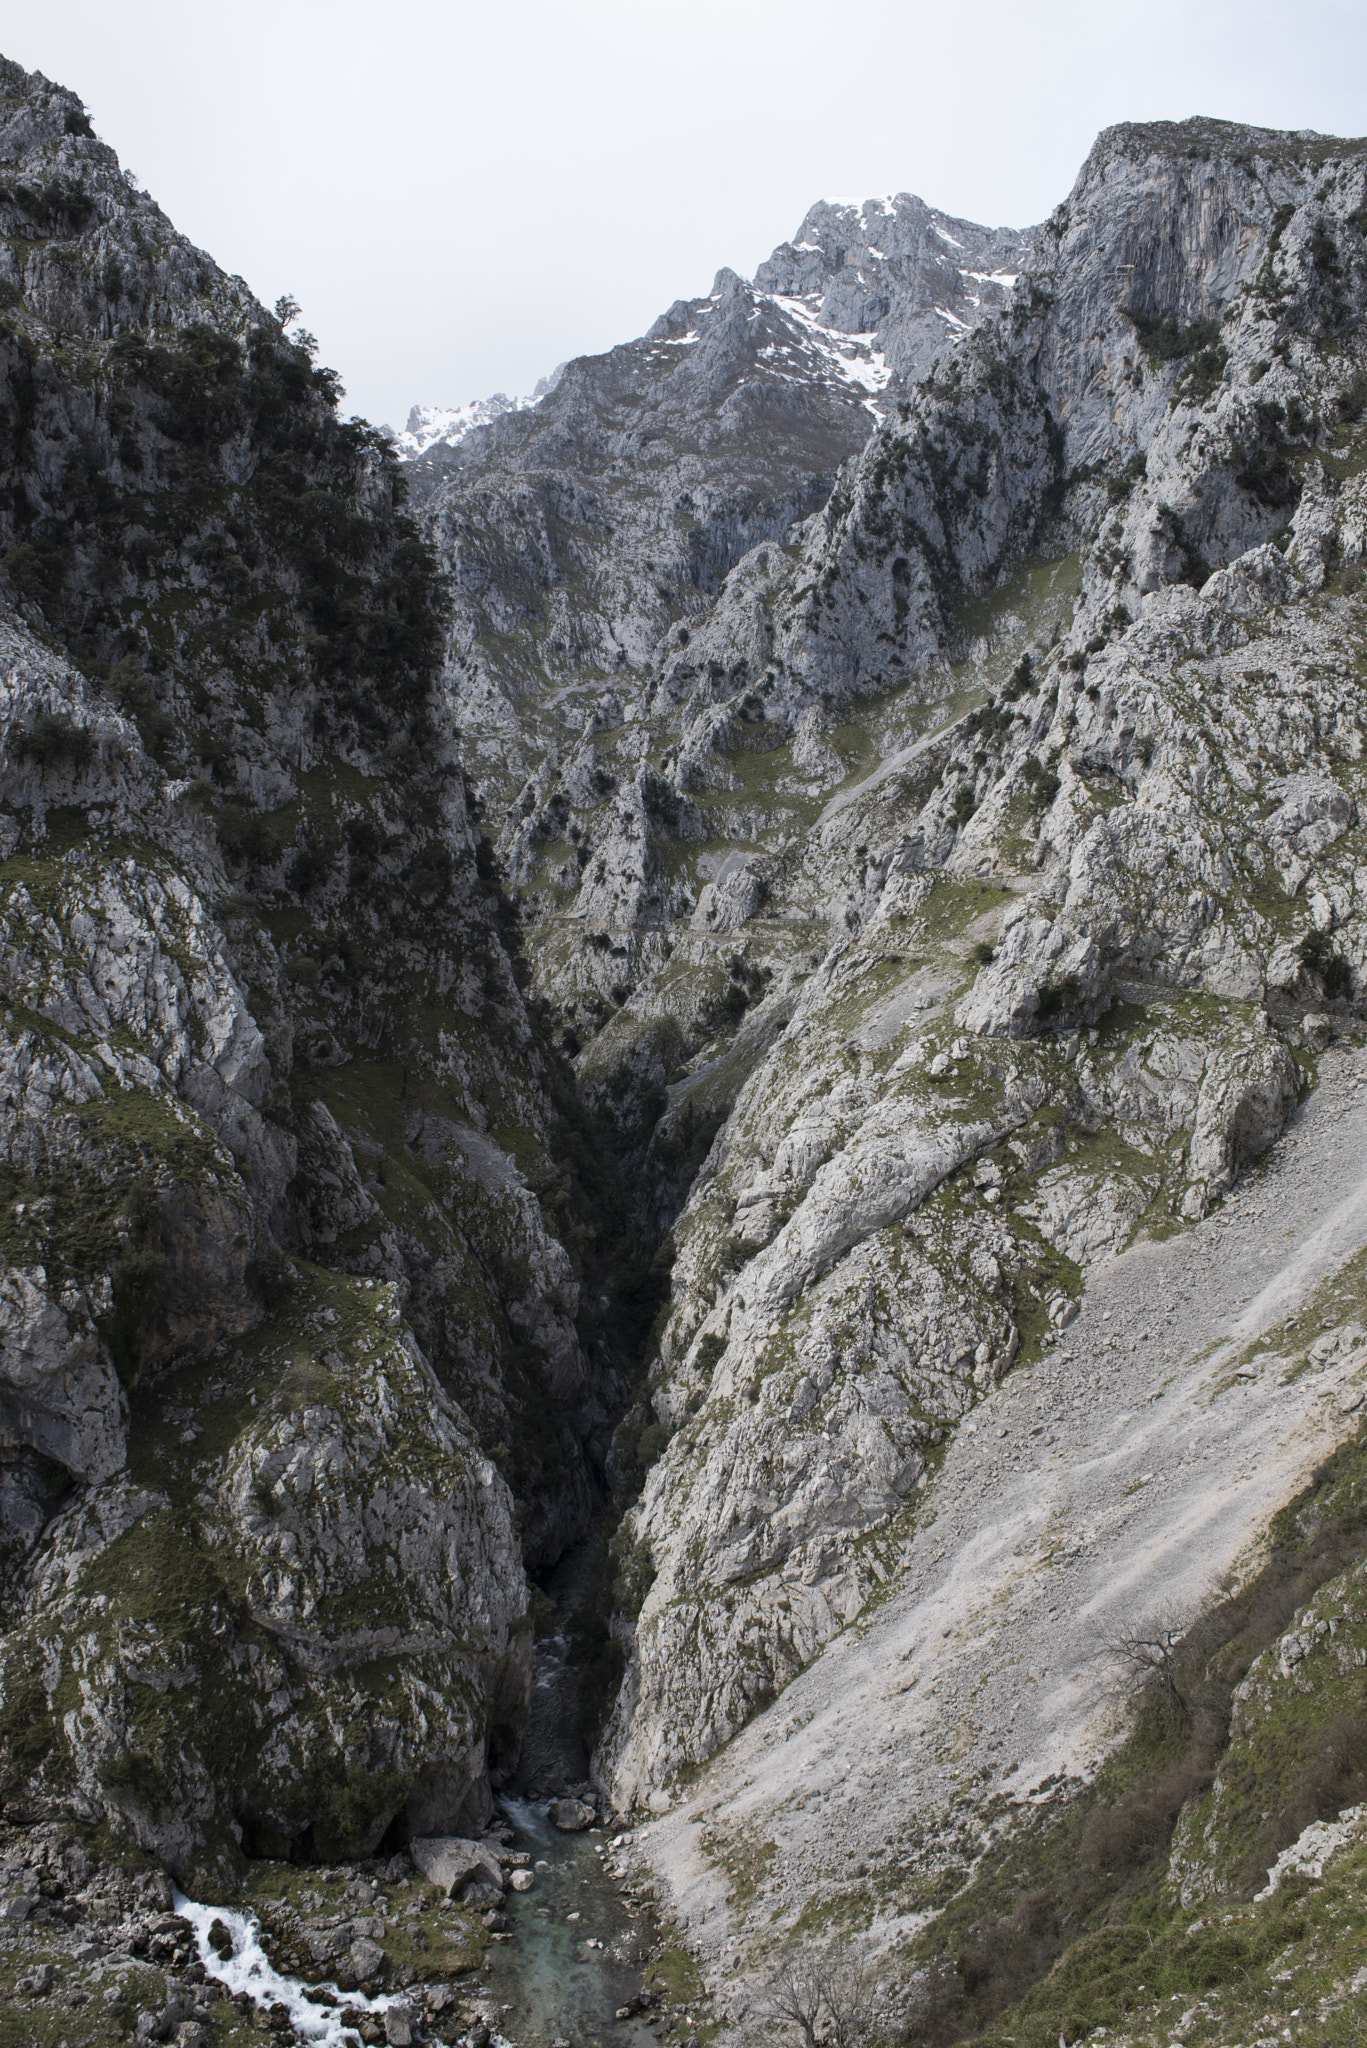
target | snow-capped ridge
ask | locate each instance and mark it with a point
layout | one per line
(433, 426)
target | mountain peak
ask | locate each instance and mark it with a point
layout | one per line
(898, 275)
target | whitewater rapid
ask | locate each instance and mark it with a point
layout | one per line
(250, 1969)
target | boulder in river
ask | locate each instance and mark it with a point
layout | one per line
(452, 1860)
(571, 1816)
(480, 1897)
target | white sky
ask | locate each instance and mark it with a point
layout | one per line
(461, 196)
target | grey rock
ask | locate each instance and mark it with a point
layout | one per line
(480, 1895)
(1246, 1094)
(156, 1110)
(754, 396)
(449, 1861)
(366, 1959)
(900, 270)
(571, 1816)
(1041, 972)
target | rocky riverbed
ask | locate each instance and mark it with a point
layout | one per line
(543, 1931)
(564, 1947)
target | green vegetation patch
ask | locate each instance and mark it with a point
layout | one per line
(1073, 1919)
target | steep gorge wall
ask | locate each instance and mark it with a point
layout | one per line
(967, 773)
(294, 1378)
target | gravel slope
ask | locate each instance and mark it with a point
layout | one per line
(1120, 1479)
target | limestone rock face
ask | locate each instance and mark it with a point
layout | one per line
(897, 269)
(217, 1657)
(1246, 1092)
(896, 729)
(61, 1397)
(1040, 971)
(572, 528)
(278, 1294)
(1045, 955)
(1308, 1677)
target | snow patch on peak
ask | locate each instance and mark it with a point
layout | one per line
(852, 357)
(431, 426)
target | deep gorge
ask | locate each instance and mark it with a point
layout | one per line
(681, 1128)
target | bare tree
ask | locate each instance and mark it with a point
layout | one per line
(823, 2002)
(1166, 1654)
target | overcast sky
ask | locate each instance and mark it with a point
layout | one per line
(461, 196)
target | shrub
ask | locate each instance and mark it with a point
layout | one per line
(58, 206)
(1324, 250)
(634, 1579)
(727, 1012)
(1118, 488)
(1124, 1837)
(709, 1354)
(272, 1277)
(309, 867)
(831, 1999)
(1057, 998)
(984, 953)
(1270, 479)
(1163, 341)
(1003, 1956)
(1338, 979)
(1021, 679)
(137, 1279)
(1351, 402)
(129, 687)
(736, 1250)
(1041, 782)
(1204, 373)
(54, 741)
(432, 871)
(1320, 958)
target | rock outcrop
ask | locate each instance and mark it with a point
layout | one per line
(1001, 835)
(576, 532)
(879, 763)
(292, 1383)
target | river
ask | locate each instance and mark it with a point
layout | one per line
(578, 1943)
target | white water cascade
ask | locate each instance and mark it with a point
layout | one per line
(250, 1969)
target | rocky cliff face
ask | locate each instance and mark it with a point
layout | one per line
(898, 271)
(928, 788)
(285, 1316)
(575, 533)
(944, 905)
